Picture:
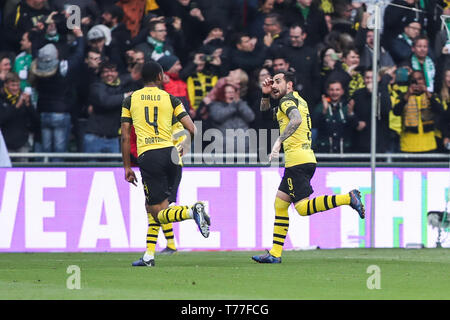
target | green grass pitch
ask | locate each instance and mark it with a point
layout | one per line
(211, 275)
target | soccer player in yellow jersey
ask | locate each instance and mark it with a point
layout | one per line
(151, 111)
(300, 163)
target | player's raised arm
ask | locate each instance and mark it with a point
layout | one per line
(266, 88)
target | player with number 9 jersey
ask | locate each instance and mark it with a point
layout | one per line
(297, 148)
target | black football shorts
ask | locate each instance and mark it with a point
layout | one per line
(296, 181)
(159, 170)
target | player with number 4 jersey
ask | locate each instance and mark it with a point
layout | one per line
(300, 163)
(151, 111)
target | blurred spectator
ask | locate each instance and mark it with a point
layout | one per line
(106, 96)
(304, 60)
(22, 62)
(230, 112)
(215, 50)
(201, 75)
(172, 83)
(333, 122)
(156, 44)
(364, 41)
(442, 133)
(193, 23)
(248, 54)
(5, 67)
(347, 72)
(28, 15)
(53, 79)
(361, 106)
(18, 118)
(401, 46)
(329, 60)
(97, 40)
(304, 13)
(89, 10)
(344, 18)
(396, 17)
(420, 60)
(224, 13)
(397, 87)
(133, 13)
(120, 36)
(90, 71)
(418, 108)
(274, 33)
(256, 18)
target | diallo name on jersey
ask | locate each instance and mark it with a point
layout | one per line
(151, 97)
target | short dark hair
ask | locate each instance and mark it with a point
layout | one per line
(421, 37)
(151, 71)
(277, 17)
(288, 76)
(298, 25)
(152, 24)
(348, 50)
(108, 65)
(238, 37)
(333, 81)
(115, 11)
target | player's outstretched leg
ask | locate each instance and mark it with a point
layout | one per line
(280, 230)
(180, 213)
(148, 260)
(308, 207)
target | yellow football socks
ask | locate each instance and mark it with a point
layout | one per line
(168, 233)
(174, 214)
(152, 235)
(321, 203)
(281, 226)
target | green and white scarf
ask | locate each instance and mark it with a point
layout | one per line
(428, 69)
(157, 45)
(406, 38)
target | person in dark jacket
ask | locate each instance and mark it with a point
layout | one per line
(248, 54)
(304, 60)
(53, 78)
(333, 121)
(156, 43)
(401, 46)
(106, 96)
(120, 35)
(304, 13)
(360, 105)
(18, 117)
(27, 16)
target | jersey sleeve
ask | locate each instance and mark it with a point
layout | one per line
(178, 108)
(286, 105)
(126, 114)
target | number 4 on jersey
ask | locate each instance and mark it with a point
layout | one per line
(155, 118)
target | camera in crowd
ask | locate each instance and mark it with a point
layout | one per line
(207, 58)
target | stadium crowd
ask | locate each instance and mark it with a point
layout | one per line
(62, 87)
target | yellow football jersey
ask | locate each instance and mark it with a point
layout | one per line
(297, 148)
(151, 111)
(176, 128)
